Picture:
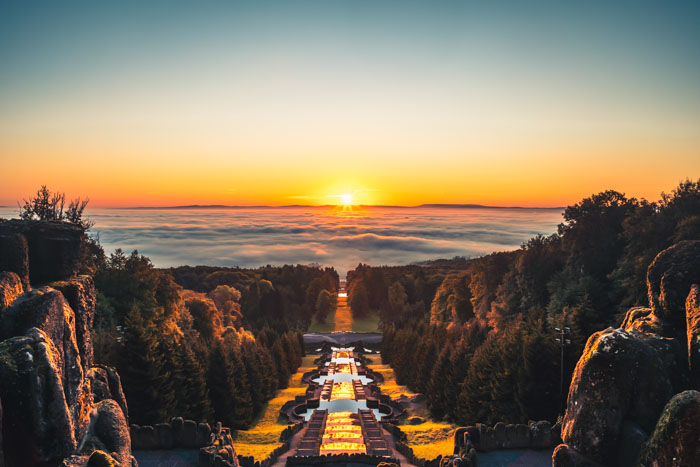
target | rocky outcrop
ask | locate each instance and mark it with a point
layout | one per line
(626, 376)
(79, 292)
(14, 254)
(676, 438)
(110, 427)
(10, 288)
(40, 252)
(106, 384)
(50, 413)
(669, 279)
(692, 316)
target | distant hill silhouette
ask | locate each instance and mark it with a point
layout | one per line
(326, 206)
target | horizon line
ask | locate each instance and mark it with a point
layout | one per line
(283, 206)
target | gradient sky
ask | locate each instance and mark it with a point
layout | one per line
(500, 103)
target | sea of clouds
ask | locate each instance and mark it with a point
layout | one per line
(252, 237)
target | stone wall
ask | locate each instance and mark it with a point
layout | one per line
(178, 433)
(482, 438)
(340, 460)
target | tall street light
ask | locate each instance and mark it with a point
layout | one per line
(563, 341)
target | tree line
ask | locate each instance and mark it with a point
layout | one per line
(186, 353)
(484, 340)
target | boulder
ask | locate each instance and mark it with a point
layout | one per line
(10, 288)
(632, 438)
(565, 456)
(621, 375)
(46, 309)
(692, 317)
(102, 459)
(669, 279)
(675, 439)
(106, 384)
(80, 294)
(111, 428)
(415, 420)
(37, 423)
(556, 434)
(14, 255)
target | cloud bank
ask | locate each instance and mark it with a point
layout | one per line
(252, 237)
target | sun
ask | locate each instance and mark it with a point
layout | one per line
(347, 199)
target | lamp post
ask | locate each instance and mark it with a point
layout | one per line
(563, 340)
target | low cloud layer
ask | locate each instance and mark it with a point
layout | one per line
(256, 237)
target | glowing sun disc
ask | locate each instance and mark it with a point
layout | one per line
(347, 199)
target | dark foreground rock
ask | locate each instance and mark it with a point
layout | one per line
(626, 376)
(40, 252)
(676, 438)
(50, 415)
(10, 288)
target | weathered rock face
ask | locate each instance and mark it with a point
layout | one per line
(40, 252)
(80, 294)
(692, 316)
(621, 376)
(669, 279)
(106, 384)
(110, 427)
(37, 421)
(46, 378)
(626, 376)
(676, 438)
(14, 254)
(10, 288)
(46, 309)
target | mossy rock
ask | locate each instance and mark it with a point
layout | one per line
(675, 438)
(102, 459)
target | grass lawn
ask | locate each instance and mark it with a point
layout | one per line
(263, 437)
(428, 440)
(328, 326)
(367, 324)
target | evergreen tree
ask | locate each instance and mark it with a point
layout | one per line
(191, 386)
(146, 382)
(438, 401)
(221, 385)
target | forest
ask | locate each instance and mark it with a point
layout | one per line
(215, 350)
(483, 329)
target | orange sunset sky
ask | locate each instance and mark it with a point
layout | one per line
(401, 104)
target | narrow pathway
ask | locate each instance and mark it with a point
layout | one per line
(343, 316)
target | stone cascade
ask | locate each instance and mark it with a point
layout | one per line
(342, 422)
